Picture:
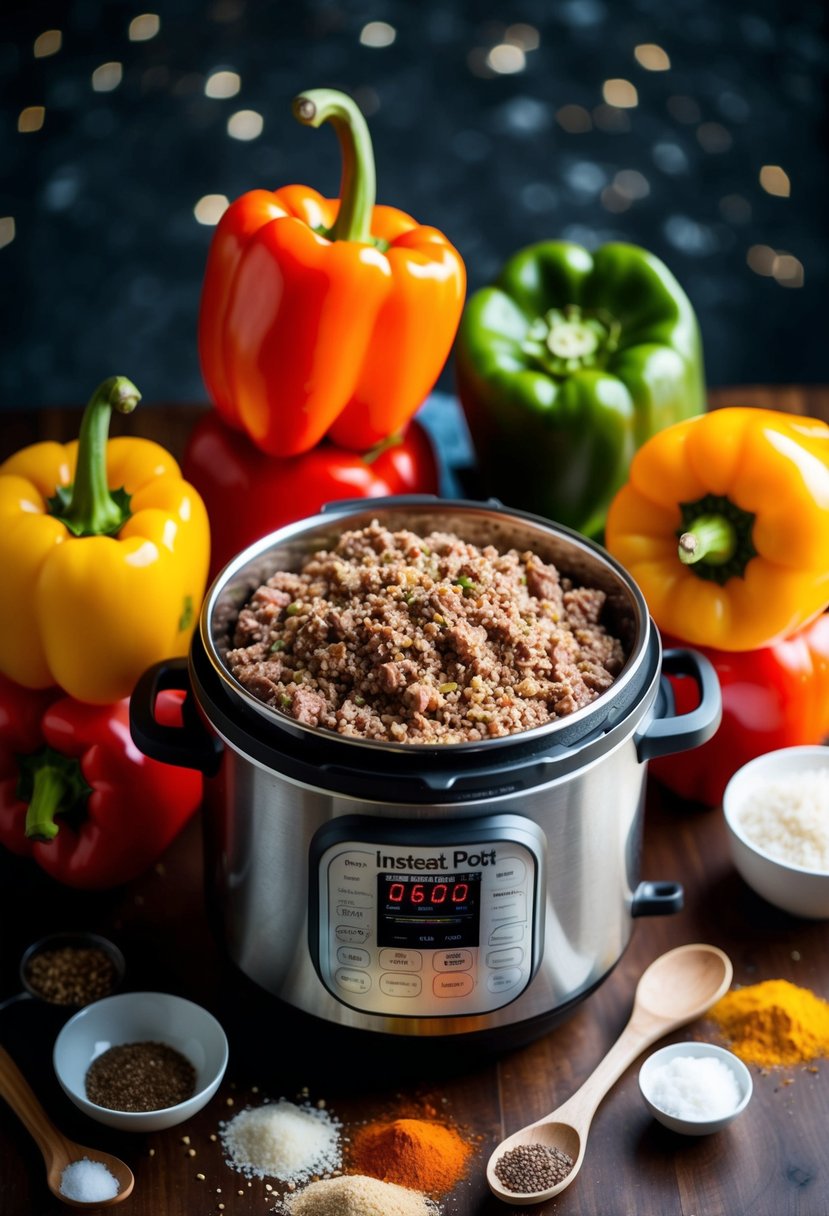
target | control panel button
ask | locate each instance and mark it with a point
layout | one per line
(509, 872)
(347, 914)
(500, 981)
(508, 903)
(460, 984)
(401, 985)
(505, 958)
(502, 935)
(353, 956)
(351, 934)
(401, 960)
(452, 960)
(357, 982)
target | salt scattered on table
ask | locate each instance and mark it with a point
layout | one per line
(88, 1181)
(694, 1087)
(789, 818)
(282, 1140)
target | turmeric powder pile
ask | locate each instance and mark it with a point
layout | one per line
(773, 1023)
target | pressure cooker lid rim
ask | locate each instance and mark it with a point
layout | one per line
(574, 726)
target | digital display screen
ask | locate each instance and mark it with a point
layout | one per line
(428, 911)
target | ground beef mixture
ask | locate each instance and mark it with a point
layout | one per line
(423, 639)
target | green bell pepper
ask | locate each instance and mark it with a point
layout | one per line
(565, 366)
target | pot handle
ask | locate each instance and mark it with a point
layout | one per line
(657, 899)
(186, 746)
(681, 732)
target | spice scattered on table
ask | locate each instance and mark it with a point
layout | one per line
(88, 1181)
(694, 1087)
(282, 1140)
(529, 1168)
(71, 975)
(773, 1023)
(356, 1195)
(415, 1153)
(789, 819)
(140, 1076)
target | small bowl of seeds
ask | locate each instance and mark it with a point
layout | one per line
(72, 969)
(141, 1061)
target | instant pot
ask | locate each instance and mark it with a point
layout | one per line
(434, 891)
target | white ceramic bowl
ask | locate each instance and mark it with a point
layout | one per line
(135, 1017)
(694, 1127)
(792, 888)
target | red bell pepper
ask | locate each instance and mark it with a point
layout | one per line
(118, 809)
(774, 697)
(248, 494)
(326, 316)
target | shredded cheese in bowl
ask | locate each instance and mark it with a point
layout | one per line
(788, 818)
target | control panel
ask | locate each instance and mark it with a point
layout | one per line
(427, 918)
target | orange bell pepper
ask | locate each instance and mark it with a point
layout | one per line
(724, 524)
(326, 316)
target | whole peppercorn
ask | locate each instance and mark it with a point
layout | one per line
(530, 1168)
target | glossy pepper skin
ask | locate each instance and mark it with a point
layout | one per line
(566, 365)
(724, 524)
(326, 317)
(248, 494)
(104, 550)
(771, 698)
(117, 810)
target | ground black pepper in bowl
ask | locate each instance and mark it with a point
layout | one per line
(140, 1077)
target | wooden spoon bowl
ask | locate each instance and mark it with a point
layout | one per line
(57, 1150)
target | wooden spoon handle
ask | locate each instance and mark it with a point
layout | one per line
(21, 1098)
(641, 1030)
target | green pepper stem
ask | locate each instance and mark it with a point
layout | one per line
(358, 186)
(92, 510)
(49, 790)
(52, 784)
(710, 537)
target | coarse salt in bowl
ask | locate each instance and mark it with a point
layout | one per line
(776, 810)
(695, 1088)
(141, 1017)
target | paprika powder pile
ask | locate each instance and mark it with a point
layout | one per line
(416, 1153)
(773, 1023)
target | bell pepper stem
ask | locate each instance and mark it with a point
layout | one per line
(92, 510)
(48, 793)
(358, 184)
(51, 783)
(712, 538)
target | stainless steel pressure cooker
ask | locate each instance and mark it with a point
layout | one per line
(411, 890)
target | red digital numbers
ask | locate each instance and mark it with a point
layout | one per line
(421, 893)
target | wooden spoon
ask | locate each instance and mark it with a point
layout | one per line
(675, 989)
(58, 1152)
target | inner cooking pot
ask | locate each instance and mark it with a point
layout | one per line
(428, 890)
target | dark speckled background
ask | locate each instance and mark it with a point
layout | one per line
(102, 256)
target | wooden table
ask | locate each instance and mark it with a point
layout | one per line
(771, 1162)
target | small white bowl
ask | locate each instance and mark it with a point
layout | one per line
(694, 1127)
(141, 1017)
(792, 888)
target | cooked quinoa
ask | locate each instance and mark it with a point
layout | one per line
(423, 639)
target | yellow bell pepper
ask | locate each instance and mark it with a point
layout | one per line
(104, 550)
(724, 525)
